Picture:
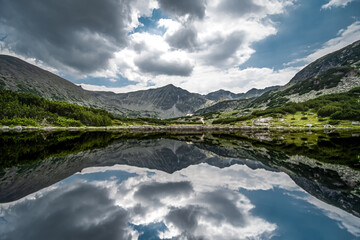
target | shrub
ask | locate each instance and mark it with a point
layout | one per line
(326, 111)
(334, 122)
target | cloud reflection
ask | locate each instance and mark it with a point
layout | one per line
(199, 202)
(79, 211)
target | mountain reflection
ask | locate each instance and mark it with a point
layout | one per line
(122, 186)
(197, 202)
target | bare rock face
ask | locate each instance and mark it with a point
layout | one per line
(262, 121)
(337, 72)
(345, 56)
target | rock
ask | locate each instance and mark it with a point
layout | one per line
(328, 126)
(262, 121)
(355, 123)
(4, 128)
(309, 125)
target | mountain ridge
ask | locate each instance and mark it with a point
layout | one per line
(228, 95)
(164, 102)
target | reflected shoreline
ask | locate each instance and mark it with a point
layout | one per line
(34, 160)
(184, 128)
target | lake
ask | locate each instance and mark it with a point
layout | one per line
(123, 185)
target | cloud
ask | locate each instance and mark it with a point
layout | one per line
(239, 8)
(185, 38)
(186, 219)
(82, 211)
(204, 43)
(336, 3)
(69, 35)
(225, 51)
(234, 79)
(156, 191)
(195, 8)
(155, 65)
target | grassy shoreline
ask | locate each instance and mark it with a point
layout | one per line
(183, 128)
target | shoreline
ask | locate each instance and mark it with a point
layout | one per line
(176, 128)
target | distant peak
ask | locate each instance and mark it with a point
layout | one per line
(170, 86)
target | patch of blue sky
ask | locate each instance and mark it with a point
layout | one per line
(304, 29)
(294, 216)
(151, 231)
(120, 81)
(113, 175)
(150, 24)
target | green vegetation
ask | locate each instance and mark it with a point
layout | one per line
(26, 148)
(333, 107)
(26, 109)
(336, 148)
(328, 79)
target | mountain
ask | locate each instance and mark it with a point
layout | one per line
(347, 56)
(227, 95)
(336, 72)
(164, 102)
(225, 106)
(170, 153)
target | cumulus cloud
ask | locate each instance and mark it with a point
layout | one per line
(82, 211)
(204, 43)
(336, 3)
(185, 38)
(225, 51)
(69, 35)
(155, 65)
(195, 8)
(239, 8)
(185, 202)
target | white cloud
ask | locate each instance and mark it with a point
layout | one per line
(207, 79)
(208, 58)
(185, 201)
(336, 3)
(200, 54)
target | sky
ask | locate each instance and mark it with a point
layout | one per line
(199, 45)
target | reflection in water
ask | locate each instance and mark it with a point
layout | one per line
(119, 186)
(197, 202)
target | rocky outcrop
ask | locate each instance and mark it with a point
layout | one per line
(343, 57)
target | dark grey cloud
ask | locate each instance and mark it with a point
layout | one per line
(185, 219)
(226, 48)
(82, 212)
(155, 191)
(154, 65)
(81, 34)
(185, 38)
(223, 209)
(196, 8)
(239, 8)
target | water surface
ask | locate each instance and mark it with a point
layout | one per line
(207, 186)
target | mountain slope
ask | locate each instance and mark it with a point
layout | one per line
(165, 102)
(227, 95)
(336, 72)
(344, 57)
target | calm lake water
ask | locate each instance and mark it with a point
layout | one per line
(108, 185)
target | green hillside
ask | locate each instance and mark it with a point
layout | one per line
(26, 109)
(334, 109)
